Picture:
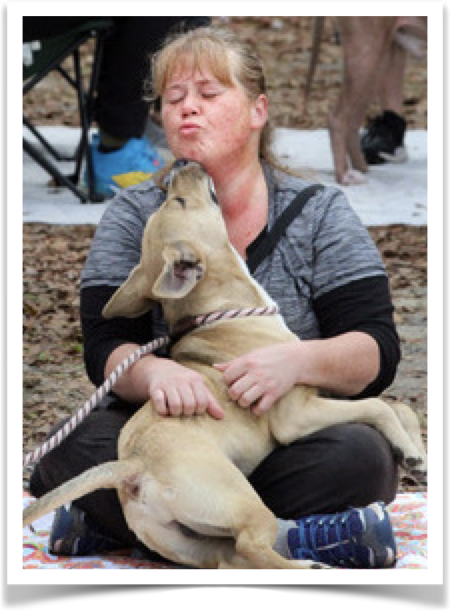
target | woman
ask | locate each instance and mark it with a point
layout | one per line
(329, 282)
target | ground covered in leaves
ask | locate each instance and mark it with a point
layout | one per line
(55, 384)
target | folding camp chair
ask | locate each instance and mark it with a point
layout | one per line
(47, 55)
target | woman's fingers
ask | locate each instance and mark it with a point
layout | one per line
(187, 399)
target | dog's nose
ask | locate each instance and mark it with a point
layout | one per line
(183, 162)
(177, 167)
(180, 163)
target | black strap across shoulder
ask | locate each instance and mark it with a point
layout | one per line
(268, 243)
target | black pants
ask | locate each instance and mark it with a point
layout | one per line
(329, 471)
(120, 108)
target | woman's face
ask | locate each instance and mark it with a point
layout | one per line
(210, 122)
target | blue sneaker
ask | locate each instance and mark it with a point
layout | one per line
(73, 534)
(137, 155)
(358, 538)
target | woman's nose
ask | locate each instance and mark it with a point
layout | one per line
(190, 105)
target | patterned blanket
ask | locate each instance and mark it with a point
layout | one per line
(408, 514)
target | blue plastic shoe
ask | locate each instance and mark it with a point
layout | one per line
(359, 538)
(137, 155)
(73, 534)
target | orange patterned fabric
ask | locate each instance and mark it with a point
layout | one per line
(408, 515)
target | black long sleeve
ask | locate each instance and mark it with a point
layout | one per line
(364, 305)
(101, 336)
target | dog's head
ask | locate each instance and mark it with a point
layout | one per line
(177, 241)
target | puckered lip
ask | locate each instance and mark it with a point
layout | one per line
(189, 126)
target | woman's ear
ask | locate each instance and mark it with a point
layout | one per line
(260, 112)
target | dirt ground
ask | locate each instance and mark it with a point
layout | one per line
(55, 384)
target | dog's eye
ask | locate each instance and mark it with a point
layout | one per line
(181, 201)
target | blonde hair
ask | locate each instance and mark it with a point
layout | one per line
(229, 59)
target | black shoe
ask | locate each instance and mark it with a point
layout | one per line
(383, 140)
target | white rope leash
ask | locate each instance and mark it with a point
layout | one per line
(109, 383)
(97, 396)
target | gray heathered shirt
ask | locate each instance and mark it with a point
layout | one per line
(324, 248)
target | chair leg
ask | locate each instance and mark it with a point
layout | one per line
(45, 143)
(47, 165)
(98, 54)
(82, 110)
(85, 103)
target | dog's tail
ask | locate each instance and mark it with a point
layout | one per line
(105, 476)
(319, 23)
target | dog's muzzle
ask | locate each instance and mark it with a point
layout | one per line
(181, 163)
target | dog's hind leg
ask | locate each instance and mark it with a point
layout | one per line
(250, 548)
(254, 544)
(218, 519)
(185, 547)
(291, 420)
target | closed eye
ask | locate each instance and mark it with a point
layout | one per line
(181, 201)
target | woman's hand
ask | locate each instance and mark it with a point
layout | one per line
(176, 390)
(343, 365)
(258, 379)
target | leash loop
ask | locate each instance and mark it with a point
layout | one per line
(109, 383)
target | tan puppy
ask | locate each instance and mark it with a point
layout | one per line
(181, 481)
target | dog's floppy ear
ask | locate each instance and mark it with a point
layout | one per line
(183, 268)
(131, 299)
